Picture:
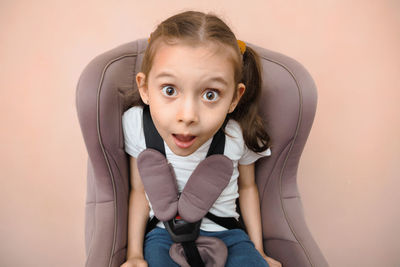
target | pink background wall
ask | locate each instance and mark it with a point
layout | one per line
(348, 175)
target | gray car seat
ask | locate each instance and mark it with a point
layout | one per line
(289, 101)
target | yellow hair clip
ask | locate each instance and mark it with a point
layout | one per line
(242, 46)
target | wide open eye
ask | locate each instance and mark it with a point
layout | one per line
(211, 95)
(168, 90)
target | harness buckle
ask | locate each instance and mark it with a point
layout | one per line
(182, 231)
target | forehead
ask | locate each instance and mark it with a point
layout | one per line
(199, 60)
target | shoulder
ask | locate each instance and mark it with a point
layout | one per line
(132, 125)
(233, 128)
(133, 113)
(132, 119)
(236, 146)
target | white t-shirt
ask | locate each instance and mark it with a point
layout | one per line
(235, 149)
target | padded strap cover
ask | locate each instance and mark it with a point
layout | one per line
(159, 182)
(204, 186)
(213, 252)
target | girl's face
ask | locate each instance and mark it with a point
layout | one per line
(190, 91)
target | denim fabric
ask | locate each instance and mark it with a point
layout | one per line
(241, 251)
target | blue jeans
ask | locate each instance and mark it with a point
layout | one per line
(241, 251)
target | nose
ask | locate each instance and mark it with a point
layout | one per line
(188, 112)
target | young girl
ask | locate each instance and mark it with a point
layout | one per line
(195, 75)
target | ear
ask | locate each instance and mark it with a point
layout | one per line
(241, 88)
(143, 90)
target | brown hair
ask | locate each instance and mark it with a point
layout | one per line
(196, 28)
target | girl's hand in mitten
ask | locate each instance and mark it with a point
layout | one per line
(135, 262)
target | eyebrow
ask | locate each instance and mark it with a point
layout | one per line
(219, 79)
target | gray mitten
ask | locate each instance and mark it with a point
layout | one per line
(159, 183)
(204, 186)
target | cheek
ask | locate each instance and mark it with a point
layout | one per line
(160, 116)
(157, 106)
(221, 110)
(163, 119)
(215, 118)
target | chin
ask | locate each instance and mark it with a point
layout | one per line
(183, 152)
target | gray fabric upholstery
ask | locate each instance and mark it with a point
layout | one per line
(288, 106)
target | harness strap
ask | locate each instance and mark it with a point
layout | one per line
(151, 135)
(192, 254)
(227, 222)
(218, 142)
(154, 141)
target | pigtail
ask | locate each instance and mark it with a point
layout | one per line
(246, 112)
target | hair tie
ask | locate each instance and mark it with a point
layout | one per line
(242, 46)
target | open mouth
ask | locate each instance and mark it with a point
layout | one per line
(184, 141)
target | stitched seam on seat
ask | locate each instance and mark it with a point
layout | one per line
(101, 202)
(273, 167)
(290, 197)
(119, 250)
(94, 222)
(281, 239)
(104, 154)
(287, 155)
